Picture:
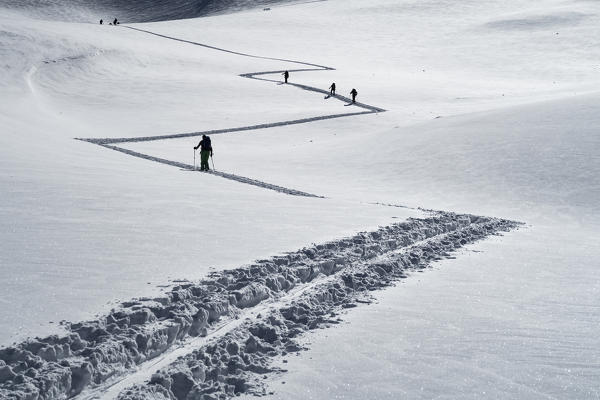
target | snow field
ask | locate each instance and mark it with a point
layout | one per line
(514, 83)
(72, 209)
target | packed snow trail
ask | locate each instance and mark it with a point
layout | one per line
(104, 141)
(253, 75)
(285, 296)
(225, 175)
(109, 142)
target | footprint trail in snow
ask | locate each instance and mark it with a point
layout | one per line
(232, 326)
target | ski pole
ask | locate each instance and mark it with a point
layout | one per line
(211, 160)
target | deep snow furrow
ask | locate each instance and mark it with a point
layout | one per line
(239, 361)
(97, 351)
(232, 177)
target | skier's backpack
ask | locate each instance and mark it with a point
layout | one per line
(206, 145)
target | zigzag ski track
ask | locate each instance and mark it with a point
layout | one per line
(218, 338)
(109, 143)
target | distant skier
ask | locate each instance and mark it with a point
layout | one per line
(286, 75)
(205, 152)
(101, 22)
(353, 92)
(332, 89)
(115, 22)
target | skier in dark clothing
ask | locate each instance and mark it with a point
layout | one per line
(205, 152)
(101, 22)
(115, 22)
(286, 75)
(332, 89)
(353, 92)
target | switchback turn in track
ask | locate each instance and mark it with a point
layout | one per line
(110, 143)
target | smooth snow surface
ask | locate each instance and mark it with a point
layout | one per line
(492, 109)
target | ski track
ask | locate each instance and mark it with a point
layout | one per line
(109, 142)
(220, 336)
(221, 174)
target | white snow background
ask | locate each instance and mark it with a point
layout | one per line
(515, 87)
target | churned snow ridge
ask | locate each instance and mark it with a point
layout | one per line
(306, 289)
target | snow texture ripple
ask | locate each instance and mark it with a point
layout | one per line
(289, 294)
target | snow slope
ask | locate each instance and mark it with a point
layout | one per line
(82, 231)
(515, 87)
(130, 11)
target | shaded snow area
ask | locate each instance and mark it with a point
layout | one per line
(486, 110)
(132, 11)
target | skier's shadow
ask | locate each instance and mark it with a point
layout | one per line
(349, 104)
